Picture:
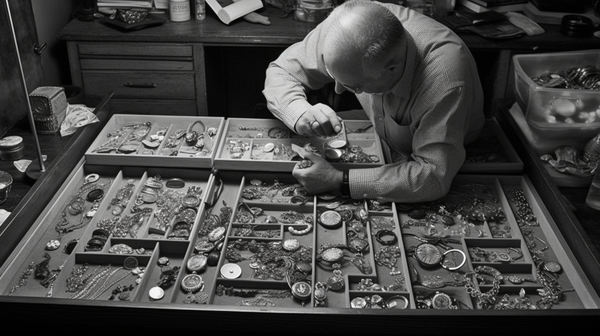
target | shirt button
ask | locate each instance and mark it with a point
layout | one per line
(365, 196)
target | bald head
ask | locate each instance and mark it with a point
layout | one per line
(365, 32)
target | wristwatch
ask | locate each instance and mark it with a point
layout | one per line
(345, 187)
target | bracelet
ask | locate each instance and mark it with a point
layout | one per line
(386, 237)
(345, 187)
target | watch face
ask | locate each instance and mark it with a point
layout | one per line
(192, 282)
(441, 301)
(330, 219)
(552, 266)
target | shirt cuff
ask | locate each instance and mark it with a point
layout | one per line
(361, 184)
(293, 112)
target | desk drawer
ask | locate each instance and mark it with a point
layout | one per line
(135, 49)
(155, 85)
(136, 64)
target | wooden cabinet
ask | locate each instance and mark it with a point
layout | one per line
(146, 78)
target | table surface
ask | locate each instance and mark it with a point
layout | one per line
(287, 30)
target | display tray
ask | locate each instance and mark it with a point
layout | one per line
(176, 237)
(266, 145)
(491, 153)
(134, 140)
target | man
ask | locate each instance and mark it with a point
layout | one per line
(415, 79)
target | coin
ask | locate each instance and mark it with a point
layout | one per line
(130, 263)
(156, 293)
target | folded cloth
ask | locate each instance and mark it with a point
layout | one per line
(529, 26)
(77, 116)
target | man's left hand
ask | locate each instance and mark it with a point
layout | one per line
(318, 177)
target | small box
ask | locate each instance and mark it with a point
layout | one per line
(557, 112)
(49, 108)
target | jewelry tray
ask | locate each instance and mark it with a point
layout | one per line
(411, 283)
(243, 146)
(161, 153)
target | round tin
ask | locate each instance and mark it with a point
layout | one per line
(12, 148)
(231, 271)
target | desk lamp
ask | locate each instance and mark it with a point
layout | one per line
(34, 171)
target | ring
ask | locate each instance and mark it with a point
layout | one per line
(312, 123)
(393, 301)
(450, 265)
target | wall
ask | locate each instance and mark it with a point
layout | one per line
(50, 17)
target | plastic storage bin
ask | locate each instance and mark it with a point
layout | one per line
(557, 113)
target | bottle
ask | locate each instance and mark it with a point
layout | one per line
(179, 10)
(591, 151)
(591, 155)
(593, 196)
(200, 10)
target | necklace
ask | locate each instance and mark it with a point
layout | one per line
(94, 192)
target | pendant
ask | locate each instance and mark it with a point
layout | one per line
(336, 282)
(53, 244)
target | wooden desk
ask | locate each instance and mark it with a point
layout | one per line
(227, 62)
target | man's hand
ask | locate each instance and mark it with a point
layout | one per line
(317, 175)
(319, 120)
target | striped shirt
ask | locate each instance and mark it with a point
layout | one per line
(426, 119)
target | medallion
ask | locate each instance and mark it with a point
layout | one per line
(197, 262)
(192, 283)
(428, 255)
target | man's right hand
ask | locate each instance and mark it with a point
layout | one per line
(319, 120)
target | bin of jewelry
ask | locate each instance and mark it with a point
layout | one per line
(157, 141)
(268, 145)
(558, 92)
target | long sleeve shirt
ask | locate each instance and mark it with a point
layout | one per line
(426, 119)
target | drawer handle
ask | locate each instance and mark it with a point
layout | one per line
(145, 85)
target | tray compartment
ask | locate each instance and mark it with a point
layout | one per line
(119, 128)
